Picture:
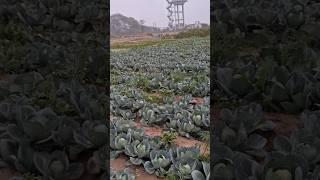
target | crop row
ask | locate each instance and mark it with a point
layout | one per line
(188, 55)
(155, 157)
(277, 87)
(266, 59)
(178, 115)
(39, 115)
(243, 150)
(181, 67)
(145, 85)
(178, 82)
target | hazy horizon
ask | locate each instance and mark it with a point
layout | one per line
(154, 11)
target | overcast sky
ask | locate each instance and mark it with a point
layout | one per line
(154, 11)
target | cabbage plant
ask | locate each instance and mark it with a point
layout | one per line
(56, 165)
(137, 150)
(199, 175)
(125, 174)
(89, 136)
(185, 166)
(159, 163)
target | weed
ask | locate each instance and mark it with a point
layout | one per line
(178, 76)
(200, 32)
(205, 157)
(205, 137)
(168, 137)
(152, 98)
(29, 176)
(170, 177)
(142, 82)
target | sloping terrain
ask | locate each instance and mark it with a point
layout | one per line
(121, 25)
(160, 110)
(52, 107)
(266, 90)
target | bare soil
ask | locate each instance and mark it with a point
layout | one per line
(195, 100)
(137, 38)
(114, 41)
(180, 141)
(7, 173)
(120, 164)
(285, 123)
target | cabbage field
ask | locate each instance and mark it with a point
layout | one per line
(267, 119)
(52, 90)
(266, 90)
(160, 111)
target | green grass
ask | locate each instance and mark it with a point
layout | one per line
(200, 32)
(157, 97)
(168, 137)
(178, 76)
(151, 98)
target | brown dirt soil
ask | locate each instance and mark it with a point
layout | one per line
(6, 173)
(141, 174)
(180, 141)
(152, 131)
(120, 164)
(195, 100)
(214, 114)
(285, 123)
(187, 142)
(131, 39)
(137, 38)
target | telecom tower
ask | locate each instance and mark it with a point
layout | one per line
(176, 13)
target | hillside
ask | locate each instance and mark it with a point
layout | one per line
(121, 25)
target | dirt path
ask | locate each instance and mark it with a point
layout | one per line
(285, 123)
(134, 39)
(137, 38)
(180, 141)
(120, 164)
(6, 173)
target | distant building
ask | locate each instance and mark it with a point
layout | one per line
(196, 25)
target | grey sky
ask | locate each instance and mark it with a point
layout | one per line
(154, 11)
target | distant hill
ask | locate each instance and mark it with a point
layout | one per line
(121, 25)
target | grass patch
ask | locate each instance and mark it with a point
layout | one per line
(200, 32)
(166, 92)
(178, 76)
(170, 176)
(168, 138)
(153, 98)
(157, 97)
(138, 44)
(142, 82)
